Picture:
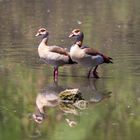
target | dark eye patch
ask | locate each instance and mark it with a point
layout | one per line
(42, 30)
(77, 30)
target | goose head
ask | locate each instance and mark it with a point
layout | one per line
(75, 32)
(42, 32)
(79, 36)
(38, 117)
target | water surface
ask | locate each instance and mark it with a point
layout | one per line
(109, 26)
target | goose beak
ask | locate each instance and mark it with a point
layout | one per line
(38, 117)
(37, 34)
(71, 35)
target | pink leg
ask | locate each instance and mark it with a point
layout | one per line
(55, 73)
(95, 73)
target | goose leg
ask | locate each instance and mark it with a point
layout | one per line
(55, 73)
(89, 73)
(95, 73)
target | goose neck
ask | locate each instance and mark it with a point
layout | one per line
(79, 39)
(45, 39)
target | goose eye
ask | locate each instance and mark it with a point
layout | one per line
(76, 31)
(43, 30)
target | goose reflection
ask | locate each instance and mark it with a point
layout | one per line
(94, 91)
(52, 96)
(48, 97)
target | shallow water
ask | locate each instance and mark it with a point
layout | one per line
(113, 100)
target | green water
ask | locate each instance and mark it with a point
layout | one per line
(113, 27)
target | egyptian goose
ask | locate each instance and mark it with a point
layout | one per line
(53, 55)
(86, 56)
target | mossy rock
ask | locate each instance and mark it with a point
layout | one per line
(70, 95)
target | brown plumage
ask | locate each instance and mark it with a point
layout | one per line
(94, 52)
(86, 56)
(53, 55)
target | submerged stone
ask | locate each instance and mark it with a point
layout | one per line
(70, 95)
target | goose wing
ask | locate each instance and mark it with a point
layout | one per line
(59, 50)
(94, 52)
